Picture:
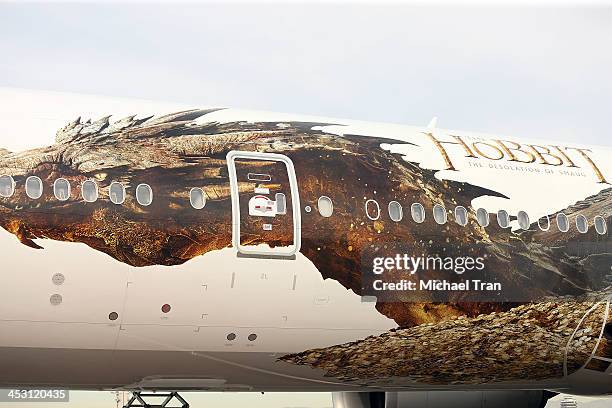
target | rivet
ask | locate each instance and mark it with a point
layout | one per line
(55, 299)
(58, 279)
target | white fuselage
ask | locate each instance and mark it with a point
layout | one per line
(75, 317)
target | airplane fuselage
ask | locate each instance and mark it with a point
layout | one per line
(209, 249)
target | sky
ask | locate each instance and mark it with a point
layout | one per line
(526, 71)
(540, 71)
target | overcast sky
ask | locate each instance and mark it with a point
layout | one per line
(543, 72)
(529, 72)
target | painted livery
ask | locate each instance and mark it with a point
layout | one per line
(220, 249)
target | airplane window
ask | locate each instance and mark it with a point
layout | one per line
(562, 222)
(461, 216)
(61, 189)
(439, 213)
(34, 187)
(395, 211)
(116, 193)
(544, 223)
(197, 198)
(523, 220)
(372, 205)
(600, 225)
(482, 216)
(582, 224)
(144, 194)
(418, 212)
(326, 207)
(89, 191)
(7, 186)
(503, 219)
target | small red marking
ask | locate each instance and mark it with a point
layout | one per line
(166, 308)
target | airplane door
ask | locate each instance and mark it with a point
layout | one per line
(265, 204)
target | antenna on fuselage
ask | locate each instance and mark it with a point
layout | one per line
(433, 123)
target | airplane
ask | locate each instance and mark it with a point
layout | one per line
(165, 248)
